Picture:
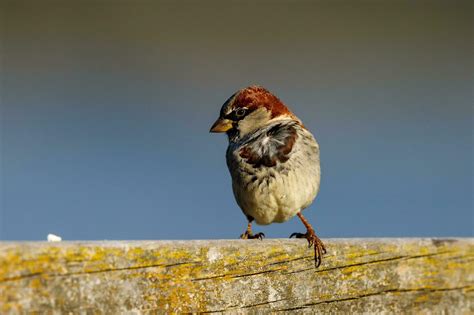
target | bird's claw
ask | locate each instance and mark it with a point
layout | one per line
(313, 240)
(298, 235)
(303, 235)
(249, 236)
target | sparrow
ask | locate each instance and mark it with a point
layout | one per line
(273, 161)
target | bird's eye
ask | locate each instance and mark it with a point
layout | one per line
(239, 112)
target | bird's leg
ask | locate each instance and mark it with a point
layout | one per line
(249, 235)
(313, 240)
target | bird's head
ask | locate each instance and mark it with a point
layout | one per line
(249, 109)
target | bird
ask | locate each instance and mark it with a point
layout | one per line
(273, 160)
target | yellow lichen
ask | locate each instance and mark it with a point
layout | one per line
(168, 276)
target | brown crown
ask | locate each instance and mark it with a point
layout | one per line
(253, 97)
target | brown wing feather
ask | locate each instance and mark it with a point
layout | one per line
(271, 147)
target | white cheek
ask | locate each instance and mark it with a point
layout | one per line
(254, 120)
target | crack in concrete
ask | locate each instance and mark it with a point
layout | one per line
(389, 291)
(38, 274)
(405, 257)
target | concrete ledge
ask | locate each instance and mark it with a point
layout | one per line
(357, 275)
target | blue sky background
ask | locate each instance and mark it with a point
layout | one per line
(106, 107)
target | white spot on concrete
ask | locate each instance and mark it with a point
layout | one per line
(54, 238)
(273, 294)
(213, 254)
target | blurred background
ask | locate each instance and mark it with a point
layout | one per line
(106, 107)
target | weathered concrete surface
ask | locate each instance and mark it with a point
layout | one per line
(357, 275)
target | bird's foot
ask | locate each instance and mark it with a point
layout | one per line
(313, 240)
(248, 236)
